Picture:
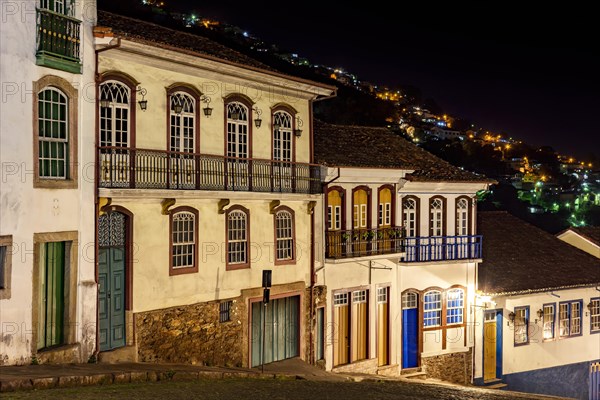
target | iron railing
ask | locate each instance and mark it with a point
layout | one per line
(122, 167)
(441, 248)
(58, 35)
(363, 242)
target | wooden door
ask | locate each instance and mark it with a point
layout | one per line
(51, 294)
(335, 243)
(383, 327)
(384, 220)
(489, 346)
(341, 334)
(360, 216)
(359, 325)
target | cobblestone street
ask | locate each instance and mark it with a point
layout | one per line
(255, 389)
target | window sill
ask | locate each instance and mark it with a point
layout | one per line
(41, 183)
(285, 262)
(182, 270)
(233, 267)
(46, 60)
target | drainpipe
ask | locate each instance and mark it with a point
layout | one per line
(96, 189)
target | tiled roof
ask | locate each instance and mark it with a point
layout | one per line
(157, 35)
(591, 233)
(519, 257)
(361, 146)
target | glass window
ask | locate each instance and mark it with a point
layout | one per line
(53, 152)
(548, 320)
(284, 235)
(432, 304)
(409, 300)
(359, 296)
(437, 215)
(409, 215)
(237, 130)
(225, 311)
(569, 318)
(184, 240)
(382, 295)
(237, 237)
(595, 315)
(462, 217)
(282, 136)
(521, 325)
(3, 251)
(340, 299)
(114, 114)
(454, 306)
(182, 117)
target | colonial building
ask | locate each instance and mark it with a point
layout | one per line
(538, 319)
(204, 180)
(47, 282)
(401, 251)
(584, 238)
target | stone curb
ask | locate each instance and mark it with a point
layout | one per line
(131, 377)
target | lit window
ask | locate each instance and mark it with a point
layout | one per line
(432, 304)
(282, 136)
(462, 217)
(548, 321)
(114, 114)
(237, 130)
(569, 318)
(183, 250)
(237, 237)
(284, 235)
(455, 306)
(182, 117)
(595, 315)
(521, 325)
(409, 214)
(436, 217)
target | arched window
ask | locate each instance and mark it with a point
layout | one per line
(114, 114)
(432, 308)
(455, 304)
(237, 130)
(282, 136)
(182, 119)
(53, 123)
(284, 236)
(334, 210)
(436, 215)
(409, 300)
(360, 208)
(462, 217)
(410, 216)
(385, 207)
(184, 234)
(237, 238)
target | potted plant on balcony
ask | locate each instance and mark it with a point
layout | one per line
(345, 237)
(368, 235)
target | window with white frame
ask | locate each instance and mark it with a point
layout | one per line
(53, 123)
(570, 318)
(382, 295)
(409, 300)
(595, 315)
(237, 130)
(114, 114)
(360, 216)
(340, 299)
(548, 321)
(462, 217)
(334, 220)
(436, 217)
(237, 237)
(455, 304)
(409, 211)
(385, 214)
(183, 250)
(521, 325)
(432, 306)
(282, 136)
(182, 118)
(64, 7)
(284, 235)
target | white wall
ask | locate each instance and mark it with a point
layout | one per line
(25, 210)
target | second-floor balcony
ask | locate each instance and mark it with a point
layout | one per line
(363, 242)
(58, 41)
(442, 248)
(122, 167)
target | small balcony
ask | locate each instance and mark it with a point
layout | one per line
(58, 41)
(442, 248)
(363, 242)
(122, 167)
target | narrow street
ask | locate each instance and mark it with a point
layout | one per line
(255, 389)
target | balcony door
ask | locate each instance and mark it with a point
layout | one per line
(237, 146)
(182, 141)
(360, 224)
(335, 240)
(115, 133)
(384, 220)
(282, 151)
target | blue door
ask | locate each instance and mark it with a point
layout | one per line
(410, 330)
(111, 280)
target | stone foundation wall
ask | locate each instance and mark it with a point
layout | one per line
(364, 367)
(192, 334)
(453, 367)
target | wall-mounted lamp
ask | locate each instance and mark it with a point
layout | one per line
(589, 306)
(208, 109)
(143, 102)
(540, 313)
(257, 120)
(298, 131)
(511, 318)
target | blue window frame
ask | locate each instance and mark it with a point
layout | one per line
(549, 321)
(521, 325)
(455, 303)
(432, 306)
(595, 315)
(569, 318)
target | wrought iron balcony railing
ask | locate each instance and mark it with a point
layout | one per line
(441, 248)
(58, 41)
(122, 167)
(363, 242)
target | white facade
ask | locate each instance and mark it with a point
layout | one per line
(35, 210)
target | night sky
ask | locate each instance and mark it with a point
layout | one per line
(533, 74)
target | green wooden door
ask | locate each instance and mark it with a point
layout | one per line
(111, 281)
(51, 295)
(282, 330)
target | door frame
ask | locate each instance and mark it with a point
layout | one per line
(129, 337)
(389, 325)
(419, 343)
(499, 320)
(300, 322)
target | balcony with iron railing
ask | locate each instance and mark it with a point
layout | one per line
(442, 248)
(58, 41)
(129, 168)
(363, 242)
